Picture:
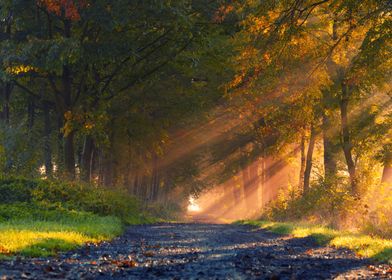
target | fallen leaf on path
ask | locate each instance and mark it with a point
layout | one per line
(127, 263)
(309, 252)
(148, 254)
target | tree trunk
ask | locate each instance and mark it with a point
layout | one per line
(303, 161)
(69, 155)
(47, 142)
(330, 166)
(60, 146)
(155, 179)
(87, 158)
(7, 85)
(6, 104)
(346, 142)
(262, 180)
(108, 170)
(237, 192)
(246, 184)
(309, 159)
(387, 172)
(136, 184)
(30, 113)
(69, 150)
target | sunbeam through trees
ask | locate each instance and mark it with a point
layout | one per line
(127, 112)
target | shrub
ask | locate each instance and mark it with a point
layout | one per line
(377, 218)
(46, 195)
(328, 201)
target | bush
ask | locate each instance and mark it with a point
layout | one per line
(327, 201)
(330, 202)
(43, 217)
(377, 205)
(21, 198)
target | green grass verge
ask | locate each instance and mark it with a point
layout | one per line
(364, 245)
(41, 218)
(39, 238)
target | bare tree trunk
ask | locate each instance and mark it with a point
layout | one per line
(387, 172)
(346, 141)
(246, 184)
(7, 89)
(155, 180)
(69, 155)
(30, 113)
(330, 166)
(87, 158)
(6, 104)
(47, 142)
(262, 180)
(69, 149)
(136, 184)
(108, 169)
(254, 185)
(303, 161)
(237, 192)
(309, 159)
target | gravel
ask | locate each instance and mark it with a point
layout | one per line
(198, 251)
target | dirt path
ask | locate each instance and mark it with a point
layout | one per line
(198, 251)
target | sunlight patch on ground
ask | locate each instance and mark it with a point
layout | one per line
(364, 245)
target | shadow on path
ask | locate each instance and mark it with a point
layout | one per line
(197, 251)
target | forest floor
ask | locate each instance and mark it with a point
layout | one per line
(198, 251)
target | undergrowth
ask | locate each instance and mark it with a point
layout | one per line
(42, 217)
(330, 202)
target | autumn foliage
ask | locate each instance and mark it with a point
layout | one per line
(64, 8)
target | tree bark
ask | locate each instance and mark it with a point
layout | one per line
(346, 141)
(387, 172)
(303, 161)
(330, 165)
(31, 113)
(7, 89)
(262, 180)
(47, 142)
(69, 155)
(246, 184)
(6, 104)
(69, 150)
(309, 159)
(237, 192)
(87, 158)
(155, 179)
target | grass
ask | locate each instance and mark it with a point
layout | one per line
(40, 218)
(363, 245)
(39, 238)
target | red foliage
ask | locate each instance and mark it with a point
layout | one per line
(222, 12)
(65, 8)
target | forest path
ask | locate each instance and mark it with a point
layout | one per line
(197, 251)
